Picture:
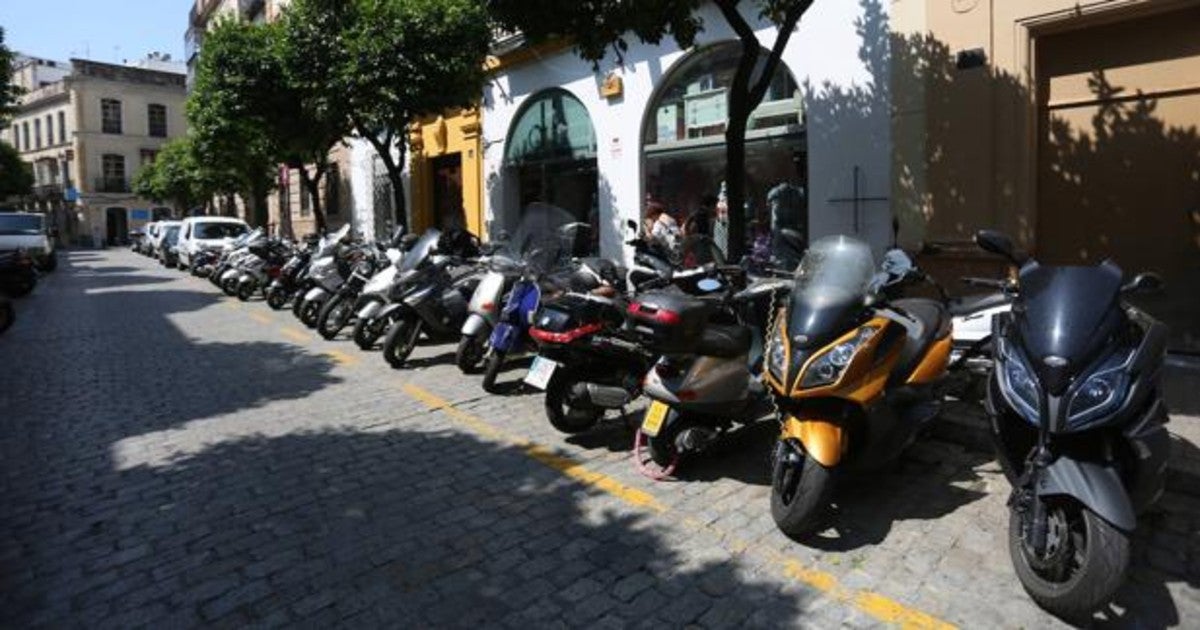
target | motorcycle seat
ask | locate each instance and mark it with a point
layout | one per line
(974, 303)
(926, 322)
(724, 341)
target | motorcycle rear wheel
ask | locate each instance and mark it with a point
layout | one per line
(400, 341)
(334, 316)
(1082, 570)
(471, 349)
(563, 415)
(800, 494)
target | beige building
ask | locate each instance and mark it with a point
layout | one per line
(86, 128)
(1074, 126)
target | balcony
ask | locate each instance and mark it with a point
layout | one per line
(111, 185)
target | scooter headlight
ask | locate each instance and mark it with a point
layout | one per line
(776, 353)
(1102, 391)
(1018, 385)
(828, 367)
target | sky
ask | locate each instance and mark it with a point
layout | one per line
(101, 30)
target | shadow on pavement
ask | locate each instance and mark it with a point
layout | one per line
(394, 527)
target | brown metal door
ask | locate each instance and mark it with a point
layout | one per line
(1119, 156)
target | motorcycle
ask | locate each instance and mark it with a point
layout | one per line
(262, 266)
(543, 244)
(326, 273)
(434, 300)
(1077, 418)
(379, 291)
(344, 304)
(855, 372)
(285, 286)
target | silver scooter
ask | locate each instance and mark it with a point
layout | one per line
(327, 272)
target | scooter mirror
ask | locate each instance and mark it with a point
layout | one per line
(997, 243)
(1146, 282)
(631, 224)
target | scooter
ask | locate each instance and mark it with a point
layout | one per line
(1077, 417)
(263, 266)
(285, 286)
(383, 287)
(434, 303)
(855, 372)
(703, 384)
(484, 310)
(327, 272)
(339, 309)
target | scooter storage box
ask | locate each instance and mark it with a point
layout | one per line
(571, 312)
(669, 322)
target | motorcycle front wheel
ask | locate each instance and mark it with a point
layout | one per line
(566, 415)
(334, 316)
(1082, 566)
(276, 298)
(400, 341)
(491, 370)
(471, 349)
(368, 331)
(310, 311)
(801, 491)
(245, 291)
(229, 286)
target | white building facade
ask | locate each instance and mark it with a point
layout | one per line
(601, 142)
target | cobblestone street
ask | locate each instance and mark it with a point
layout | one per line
(171, 457)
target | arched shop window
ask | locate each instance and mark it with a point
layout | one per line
(683, 145)
(550, 156)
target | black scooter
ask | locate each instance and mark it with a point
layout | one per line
(1078, 422)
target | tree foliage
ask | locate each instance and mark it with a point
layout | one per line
(174, 177)
(600, 27)
(16, 176)
(10, 93)
(232, 144)
(409, 59)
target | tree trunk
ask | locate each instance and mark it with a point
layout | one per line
(313, 185)
(735, 179)
(395, 171)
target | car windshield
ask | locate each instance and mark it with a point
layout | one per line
(836, 263)
(20, 224)
(172, 235)
(219, 230)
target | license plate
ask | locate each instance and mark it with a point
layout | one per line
(656, 413)
(540, 372)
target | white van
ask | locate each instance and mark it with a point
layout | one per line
(199, 233)
(28, 231)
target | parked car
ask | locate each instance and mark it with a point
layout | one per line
(28, 231)
(156, 245)
(206, 233)
(17, 274)
(168, 245)
(146, 243)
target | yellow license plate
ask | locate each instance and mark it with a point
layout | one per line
(655, 414)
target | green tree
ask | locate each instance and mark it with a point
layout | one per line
(598, 27)
(10, 93)
(16, 176)
(409, 59)
(173, 177)
(231, 140)
(309, 113)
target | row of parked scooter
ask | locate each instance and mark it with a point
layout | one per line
(825, 344)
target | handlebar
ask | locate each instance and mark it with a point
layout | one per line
(989, 283)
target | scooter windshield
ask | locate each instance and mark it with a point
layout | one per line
(420, 250)
(830, 285)
(1068, 312)
(546, 238)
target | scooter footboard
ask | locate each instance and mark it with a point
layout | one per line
(504, 337)
(824, 440)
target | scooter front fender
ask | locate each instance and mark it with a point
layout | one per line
(823, 440)
(314, 294)
(369, 309)
(475, 325)
(1097, 486)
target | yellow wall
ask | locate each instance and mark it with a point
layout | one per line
(456, 131)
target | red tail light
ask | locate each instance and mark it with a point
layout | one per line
(661, 316)
(544, 336)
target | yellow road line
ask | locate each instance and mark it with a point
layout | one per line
(260, 318)
(880, 607)
(341, 357)
(295, 335)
